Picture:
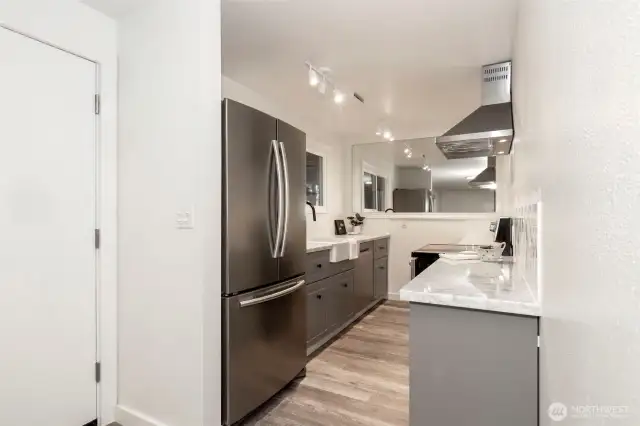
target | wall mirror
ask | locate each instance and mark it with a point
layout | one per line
(413, 176)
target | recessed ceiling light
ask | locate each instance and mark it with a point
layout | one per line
(338, 96)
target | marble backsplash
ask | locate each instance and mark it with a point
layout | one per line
(527, 241)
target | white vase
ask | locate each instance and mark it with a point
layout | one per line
(356, 229)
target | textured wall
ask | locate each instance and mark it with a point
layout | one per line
(577, 116)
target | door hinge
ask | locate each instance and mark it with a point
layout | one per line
(97, 104)
(97, 238)
(98, 372)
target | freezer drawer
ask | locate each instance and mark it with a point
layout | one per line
(264, 345)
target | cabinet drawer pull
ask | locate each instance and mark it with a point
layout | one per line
(364, 250)
(319, 296)
(319, 265)
(380, 267)
(345, 285)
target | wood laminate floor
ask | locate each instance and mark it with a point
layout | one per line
(362, 378)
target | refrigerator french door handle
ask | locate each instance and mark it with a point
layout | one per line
(285, 167)
(272, 296)
(275, 251)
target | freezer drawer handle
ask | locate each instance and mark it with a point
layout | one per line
(272, 296)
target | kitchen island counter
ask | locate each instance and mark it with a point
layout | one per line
(489, 286)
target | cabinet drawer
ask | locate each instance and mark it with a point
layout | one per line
(366, 247)
(381, 248)
(317, 266)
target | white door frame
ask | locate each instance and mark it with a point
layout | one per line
(66, 28)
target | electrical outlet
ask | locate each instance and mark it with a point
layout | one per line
(184, 219)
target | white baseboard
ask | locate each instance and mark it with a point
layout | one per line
(394, 296)
(129, 417)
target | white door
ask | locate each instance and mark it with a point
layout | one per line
(47, 221)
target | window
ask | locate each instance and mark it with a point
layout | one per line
(374, 192)
(316, 180)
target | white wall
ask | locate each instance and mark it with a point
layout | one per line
(83, 31)
(576, 109)
(169, 158)
(465, 201)
(318, 141)
(408, 235)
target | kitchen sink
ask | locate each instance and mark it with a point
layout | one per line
(341, 249)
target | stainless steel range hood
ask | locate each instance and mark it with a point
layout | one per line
(487, 178)
(487, 131)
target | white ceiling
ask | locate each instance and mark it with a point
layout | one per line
(416, 62)
(114, 8)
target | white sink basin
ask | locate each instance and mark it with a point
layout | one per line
(341, 250)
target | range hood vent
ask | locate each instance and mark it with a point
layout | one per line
(487, 131)
(487, 178)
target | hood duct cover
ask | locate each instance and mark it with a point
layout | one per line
(488, 130)
(486, 178)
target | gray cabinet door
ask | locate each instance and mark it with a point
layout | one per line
(341, 306)
(294, 151)
(381, 278)
(316, 312)
(363, 277)
(472, 367)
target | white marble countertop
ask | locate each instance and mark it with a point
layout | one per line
(322, 243)
(487, 286)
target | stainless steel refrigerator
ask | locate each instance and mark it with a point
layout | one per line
(264, 249)
(413, 200)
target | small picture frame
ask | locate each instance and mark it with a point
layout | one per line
(341, 228)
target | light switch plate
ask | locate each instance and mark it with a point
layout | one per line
(184, 219)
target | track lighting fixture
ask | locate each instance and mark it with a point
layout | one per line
(314, 79)
(338, 96)
(322, 86)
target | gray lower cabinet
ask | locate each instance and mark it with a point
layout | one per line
(471, 367)
(338, 292)
(316, 312)
(381, 278)
(363, 277)
(342, 297)
(329, 305)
